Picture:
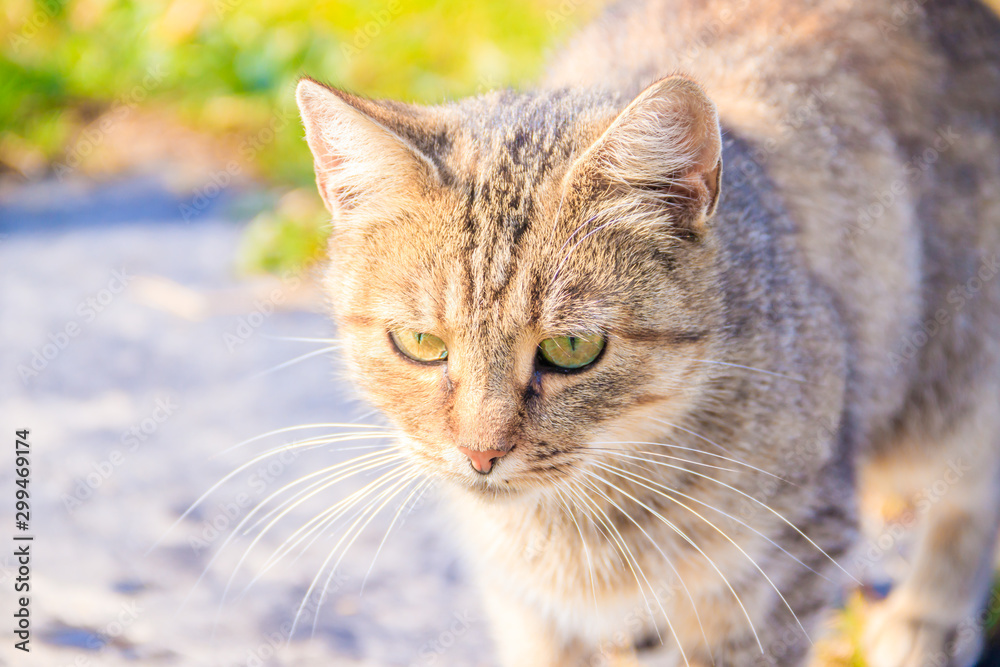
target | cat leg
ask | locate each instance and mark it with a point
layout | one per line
(930, 619)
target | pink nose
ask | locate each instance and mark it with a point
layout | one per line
(482, 461)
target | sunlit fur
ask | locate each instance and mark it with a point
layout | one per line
(696, 484)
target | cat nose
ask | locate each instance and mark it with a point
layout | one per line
(482, 462)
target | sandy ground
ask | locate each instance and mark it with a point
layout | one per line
(149, 354)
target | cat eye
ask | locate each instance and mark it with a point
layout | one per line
(571, 352)
(418, 346)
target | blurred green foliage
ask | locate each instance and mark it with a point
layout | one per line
(228, 67)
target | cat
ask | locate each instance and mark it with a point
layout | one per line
(655, 325)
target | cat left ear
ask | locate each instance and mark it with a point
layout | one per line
(363, 159)
(667, 143)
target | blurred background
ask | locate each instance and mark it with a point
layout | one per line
(159, 238)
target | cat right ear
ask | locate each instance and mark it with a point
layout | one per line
(666, 146)
(362, 162)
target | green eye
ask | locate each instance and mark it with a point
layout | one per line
(572, 351)
(419, 346)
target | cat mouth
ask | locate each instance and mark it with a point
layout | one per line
(498, 483)
(517, 480)
(514, 473)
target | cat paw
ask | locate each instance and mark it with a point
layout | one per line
(897, 639)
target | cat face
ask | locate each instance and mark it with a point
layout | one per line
(519, 281)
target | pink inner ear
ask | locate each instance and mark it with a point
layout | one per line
(330, 166)
(360, 158)
(696, 194)
(326, 166)
(344, 197)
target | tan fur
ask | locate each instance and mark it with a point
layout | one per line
(767, 332)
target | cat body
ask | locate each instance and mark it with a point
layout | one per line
(788, 249)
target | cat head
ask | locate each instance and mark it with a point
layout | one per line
(520, 280)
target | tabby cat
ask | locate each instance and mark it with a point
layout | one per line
(655, 325)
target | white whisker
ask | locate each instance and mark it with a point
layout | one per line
(333, 569)
(356, 530)
(635, 479)
(697, 435)
(662, 456)
(687, 539)
(669, 563)
(325, 518)
(375, 461)
(299, 427)
(298, 339)
(288, 506)
(292, 362)
(629, 560)
(728, 516)
(257, 459)
(749, 368)
(419, 487)
(769, 509)
(586, 549)
(690, 449)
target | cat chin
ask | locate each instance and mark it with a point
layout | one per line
(493, 494)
